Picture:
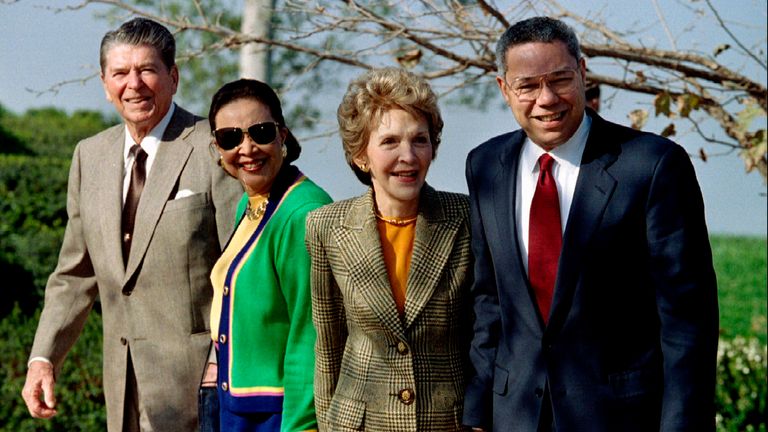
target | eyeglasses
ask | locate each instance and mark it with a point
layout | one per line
(260, 133)
(528, 89)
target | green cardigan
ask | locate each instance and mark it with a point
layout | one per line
(270, 338)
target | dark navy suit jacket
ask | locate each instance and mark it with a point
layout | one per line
(631, 341)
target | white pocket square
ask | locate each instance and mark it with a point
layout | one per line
(183, 194)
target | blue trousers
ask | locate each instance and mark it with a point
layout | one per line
(208, 409)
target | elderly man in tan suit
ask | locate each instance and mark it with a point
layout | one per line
(148, 213)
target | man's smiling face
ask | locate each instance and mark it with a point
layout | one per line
(139, 85)
(553, 116)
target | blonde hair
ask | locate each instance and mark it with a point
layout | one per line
(372, 94)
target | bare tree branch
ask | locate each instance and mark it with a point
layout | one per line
(663, 21)
(674, 61)
(711, 139)
(493, 12)
(453, 41)
(735, 39)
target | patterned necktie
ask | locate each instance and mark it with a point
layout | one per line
(138, 175)
(544, 237)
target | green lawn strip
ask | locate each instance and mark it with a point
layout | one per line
(740, 264)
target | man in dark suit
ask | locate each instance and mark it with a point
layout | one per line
(145, 250)
(594, 294)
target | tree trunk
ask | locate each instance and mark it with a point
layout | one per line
(254, 57)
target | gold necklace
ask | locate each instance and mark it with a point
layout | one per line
(258, 212)
(395, 221)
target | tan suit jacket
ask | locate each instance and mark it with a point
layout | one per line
(375, 371)
(156, 307)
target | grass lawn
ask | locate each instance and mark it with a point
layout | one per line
(740, 264)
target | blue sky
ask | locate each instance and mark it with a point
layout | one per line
(40, 48)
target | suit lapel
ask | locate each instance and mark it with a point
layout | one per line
(432, 246)
(593, 191)
(172, 155)
(505, 196)
(360, 248)
(109, 196)
(504, 199)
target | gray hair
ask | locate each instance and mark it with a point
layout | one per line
(137, 32)
(538, 29)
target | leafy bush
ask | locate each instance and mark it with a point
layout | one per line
(35, 153)
(33, 215)
(53, 132)
(741, 385)
(10, 143)
(79, 394)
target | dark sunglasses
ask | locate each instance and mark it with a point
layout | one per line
(260, 133)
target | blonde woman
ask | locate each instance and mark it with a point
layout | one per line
(390, 270)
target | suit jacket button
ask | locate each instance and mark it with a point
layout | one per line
(226, 290)
(539, 392)
(224, 386)
(406, 396)
(402, 348)
(123, 341)
(223, 338)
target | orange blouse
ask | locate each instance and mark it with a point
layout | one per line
(397, 246)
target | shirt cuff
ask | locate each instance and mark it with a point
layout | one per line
(42, 359)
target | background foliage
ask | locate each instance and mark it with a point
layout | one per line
(35, 149)
(35, 152)
(741, 385)
(79, 394)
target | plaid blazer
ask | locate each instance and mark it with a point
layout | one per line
(373, 370)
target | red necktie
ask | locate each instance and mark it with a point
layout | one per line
(138, 175)
(544, 237)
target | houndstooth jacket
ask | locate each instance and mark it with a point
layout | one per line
(375, 371)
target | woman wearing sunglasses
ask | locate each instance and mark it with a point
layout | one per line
(261, 318)
(391, 270)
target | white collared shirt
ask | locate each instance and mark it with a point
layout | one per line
(565, 171)
(149, 144)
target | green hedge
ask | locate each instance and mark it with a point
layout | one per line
(35, 152)
(79, 394)
(33, 195)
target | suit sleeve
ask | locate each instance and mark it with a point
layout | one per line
(485, 339)
(293, 267)
(329, 319)
(226, 192)
(71, 288)
(686, 291)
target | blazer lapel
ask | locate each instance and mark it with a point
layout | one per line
(171, 157)
(432, 246)
(594, 188)
(360, 248)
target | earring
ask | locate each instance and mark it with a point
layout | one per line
(363, 167)
(220, 161)
(284, 151)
